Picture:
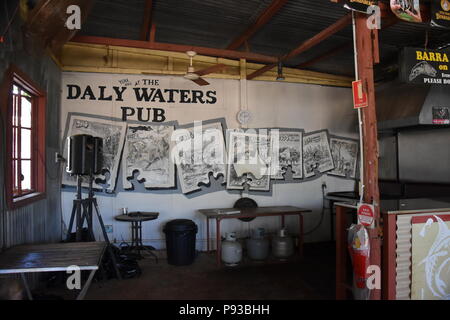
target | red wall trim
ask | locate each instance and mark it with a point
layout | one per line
(389, 256)
(39, 152)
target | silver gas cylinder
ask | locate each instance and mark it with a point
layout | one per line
(231, 250)
(282, 245)
(258, 246)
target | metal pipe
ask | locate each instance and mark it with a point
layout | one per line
(360, 123)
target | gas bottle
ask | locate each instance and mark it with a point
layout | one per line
(282, 245)
(258, 245)
(231, 250)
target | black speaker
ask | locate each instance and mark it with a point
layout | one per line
(84, 155)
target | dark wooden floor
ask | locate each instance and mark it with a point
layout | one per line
(309, 278)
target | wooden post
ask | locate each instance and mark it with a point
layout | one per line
(367, 50)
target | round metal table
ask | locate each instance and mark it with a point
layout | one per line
(136, 219)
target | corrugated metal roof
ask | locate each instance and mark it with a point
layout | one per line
(115, 18)
(209, 23)
(215, 23)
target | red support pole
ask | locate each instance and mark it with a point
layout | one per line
(218, 243)
(367, 56)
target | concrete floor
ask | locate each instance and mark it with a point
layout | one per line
(309, 278)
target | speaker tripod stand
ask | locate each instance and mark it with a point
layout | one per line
(83, 210)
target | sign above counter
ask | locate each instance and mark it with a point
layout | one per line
(420, 66)
(440, 13)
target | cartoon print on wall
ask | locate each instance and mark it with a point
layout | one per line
(248, 161)
(316, 153)
(290, 153)
(147, 150)
(199, 152)
(113, 135)
(408, 10)
(431, 258)
(345, 157)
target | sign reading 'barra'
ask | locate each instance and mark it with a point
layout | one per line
(425, 66)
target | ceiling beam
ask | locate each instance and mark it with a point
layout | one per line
(260, 71)
(261, 21)
(222, 53)
(308, 44)
(386, 24)
(325, 55)
(212, 69)
(79, 57)
(321, 36)
(147, 22)
(152, 33)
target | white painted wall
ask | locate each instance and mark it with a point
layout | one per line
(273, 104)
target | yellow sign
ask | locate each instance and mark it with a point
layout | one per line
(440, 13)
(431, 56)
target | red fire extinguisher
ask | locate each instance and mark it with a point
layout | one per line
(359, 248)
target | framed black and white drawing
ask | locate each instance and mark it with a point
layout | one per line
(147, 150)
(199, 152)
(316, 153)
(289, 152)
(345, 157)
(113, 135)
(248, 160)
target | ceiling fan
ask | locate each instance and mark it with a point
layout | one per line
(196, 76)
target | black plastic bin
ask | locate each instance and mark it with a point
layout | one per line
(180, 241)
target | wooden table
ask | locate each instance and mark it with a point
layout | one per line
(221, 214)
(53, 257)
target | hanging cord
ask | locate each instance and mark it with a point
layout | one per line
(64, 228)
(426, 39)
(360, 123)
(3, 204)
(47, 172)
(322, 214)
(243, 106)
(10, 21)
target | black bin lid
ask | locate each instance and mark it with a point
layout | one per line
(180, 225)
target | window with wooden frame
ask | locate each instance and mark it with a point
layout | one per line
(23, 113)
